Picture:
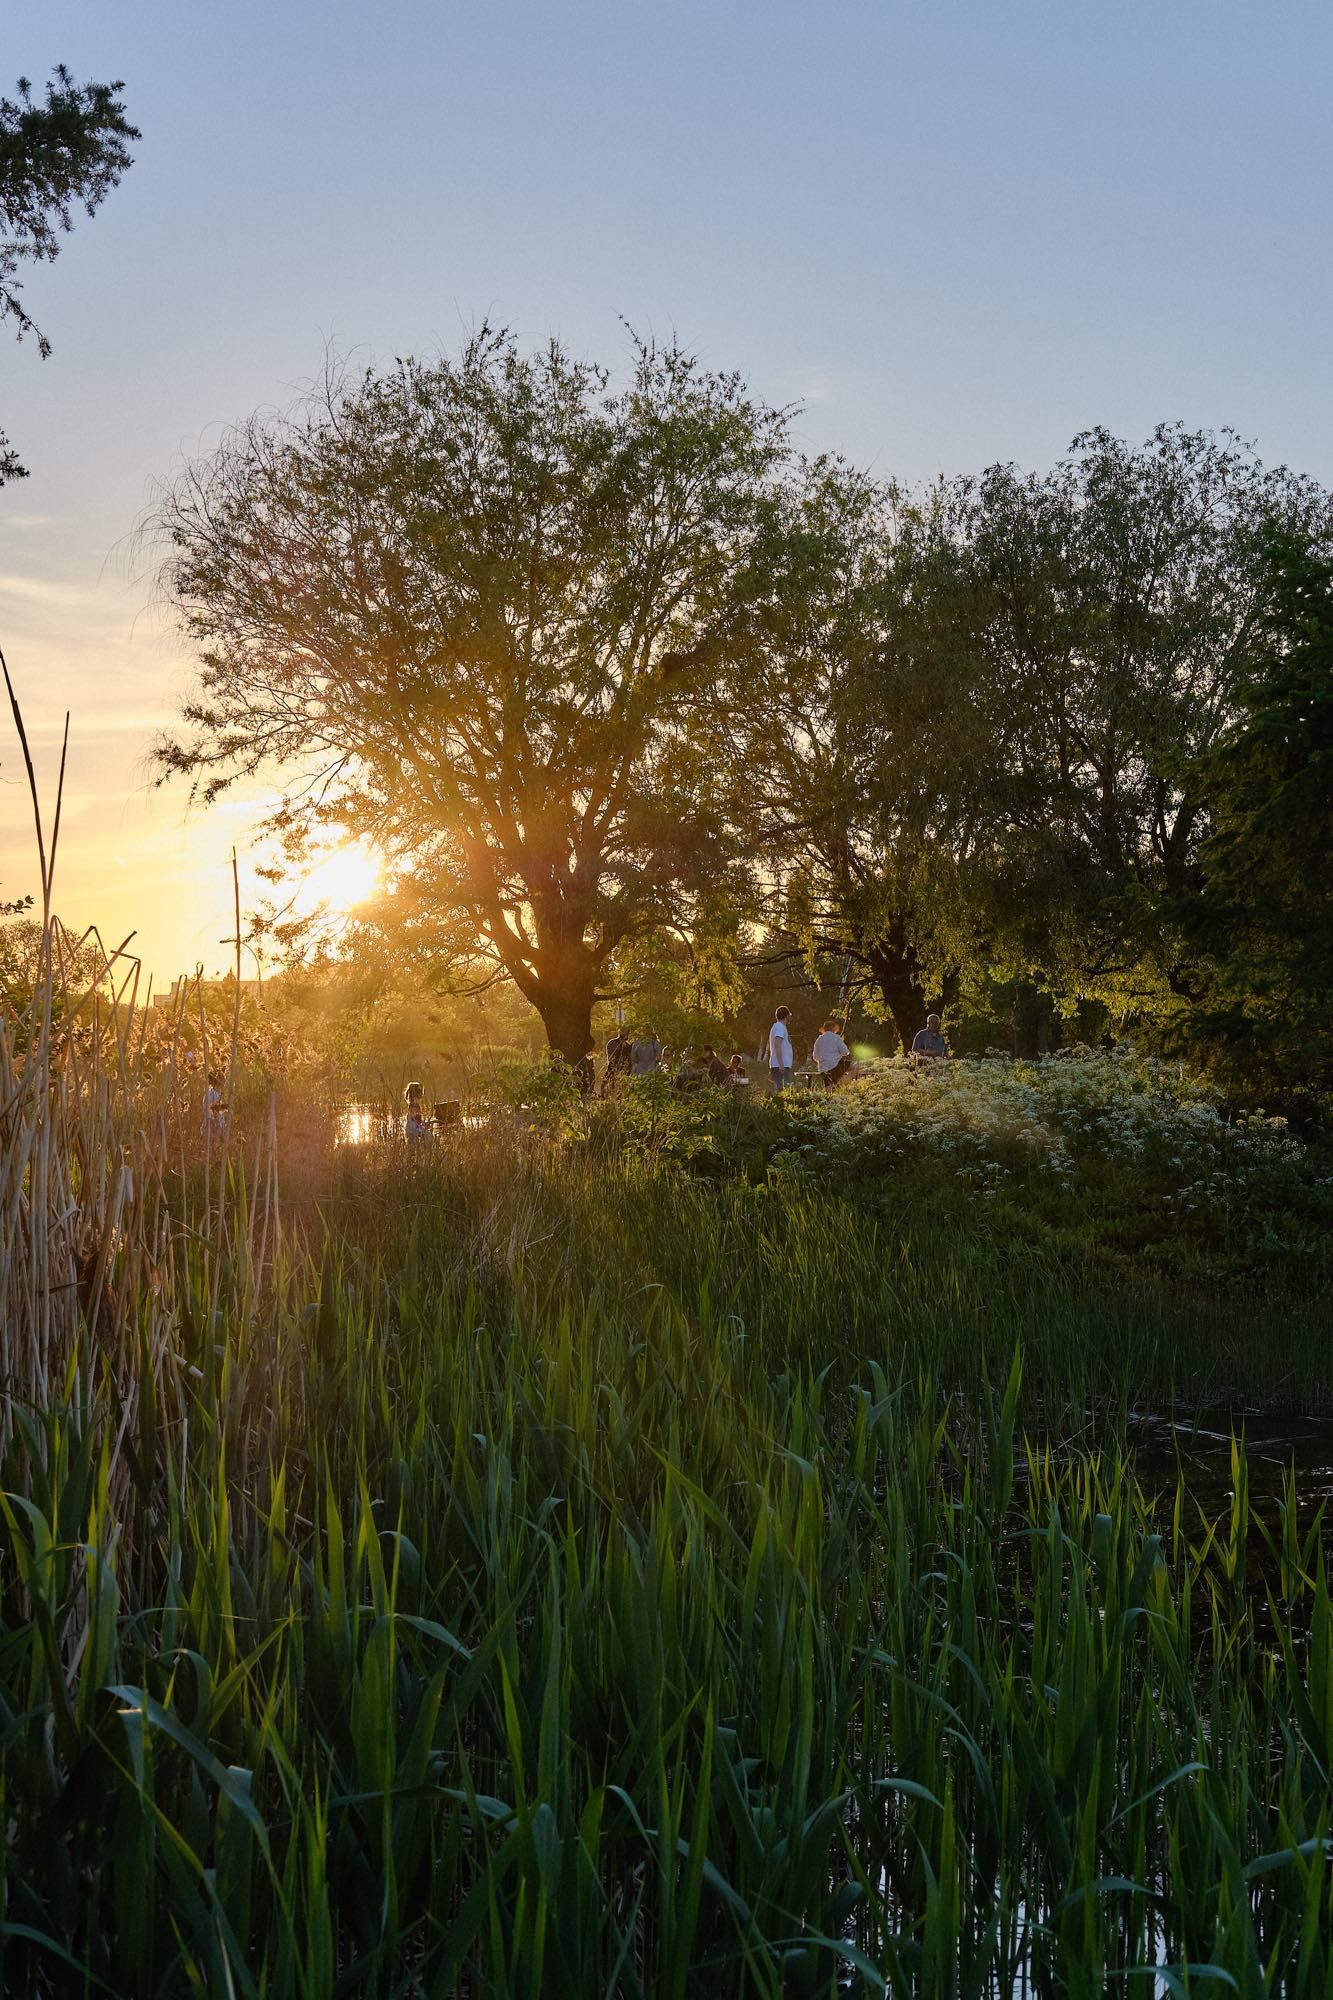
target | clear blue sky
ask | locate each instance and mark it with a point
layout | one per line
(958, 231)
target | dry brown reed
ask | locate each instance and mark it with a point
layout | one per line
(110, 1176)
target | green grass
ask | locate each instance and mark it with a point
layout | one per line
(571, 1575)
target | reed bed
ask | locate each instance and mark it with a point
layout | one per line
(528, 1569)
(564, 1578)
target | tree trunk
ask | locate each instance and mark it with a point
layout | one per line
(566, 1014)
(893, 967)
(559, 979)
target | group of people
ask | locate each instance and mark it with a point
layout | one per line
(643, 1055)
(630, 1056)
(830, 1054)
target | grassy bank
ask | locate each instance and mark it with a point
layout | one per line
(589, 1580)
(658, 1560)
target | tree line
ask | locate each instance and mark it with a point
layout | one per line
(615, 675)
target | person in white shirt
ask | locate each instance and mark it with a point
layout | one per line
(832, 1056)
(780, 1059)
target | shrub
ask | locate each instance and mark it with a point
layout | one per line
(1124, 1151)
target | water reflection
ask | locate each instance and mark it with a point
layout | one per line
(358, 1124)
(1274, 1446)
(374, 1124)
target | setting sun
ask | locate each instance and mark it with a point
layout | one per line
(340, 879)
(651, 1339)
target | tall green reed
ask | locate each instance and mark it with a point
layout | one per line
(548, 1574)
(519, 1621)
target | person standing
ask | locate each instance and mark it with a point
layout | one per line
(781, 1061)
(832, 1056)
(645, 1054)
(929, 1045)
(215, 1107)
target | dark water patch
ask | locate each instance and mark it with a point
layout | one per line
(1281, 1455)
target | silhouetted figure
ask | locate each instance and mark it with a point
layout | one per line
(645, 1054)
(928, 1045)
(215, 1110)
(619, 1058)
(717, 1070)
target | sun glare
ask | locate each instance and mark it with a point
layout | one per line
(340, 879)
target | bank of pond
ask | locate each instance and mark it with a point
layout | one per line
(548, 1565)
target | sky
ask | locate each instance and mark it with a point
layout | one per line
(955, 233)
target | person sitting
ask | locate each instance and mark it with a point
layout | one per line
(929, 1045)
(692, 1074)
(832, 1056)
(736, 1072)
(415, 1125)
(717, 1070)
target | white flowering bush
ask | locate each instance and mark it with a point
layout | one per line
(1124, 1150)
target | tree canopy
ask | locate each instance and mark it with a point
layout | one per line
(1003, 703)
(481, 610)
(1259, 913)
(57, 154)
(627, 691)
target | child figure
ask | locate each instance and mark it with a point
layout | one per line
(416, 1127)
(215, 1110)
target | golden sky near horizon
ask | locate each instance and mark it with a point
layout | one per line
(133, 856)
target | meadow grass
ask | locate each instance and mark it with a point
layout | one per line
(532, 1566)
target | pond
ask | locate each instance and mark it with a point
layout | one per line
(365, 1124)
(1276, 1446)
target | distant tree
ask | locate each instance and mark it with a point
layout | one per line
(993, 698)
(483, 611)
(1095, 627)
(64, 153)
(1260, 912)
(856, 780)
(1111, 616)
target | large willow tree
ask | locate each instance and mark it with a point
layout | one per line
(483, 611)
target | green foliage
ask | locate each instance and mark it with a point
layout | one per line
(503, 598)
(996, 698)
(517, 1563)
(541, 1092)
(1118, 1156)
(714, 1131)
(1261, 915)
(55, 156)
(1103, 621)
(588, 1580)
